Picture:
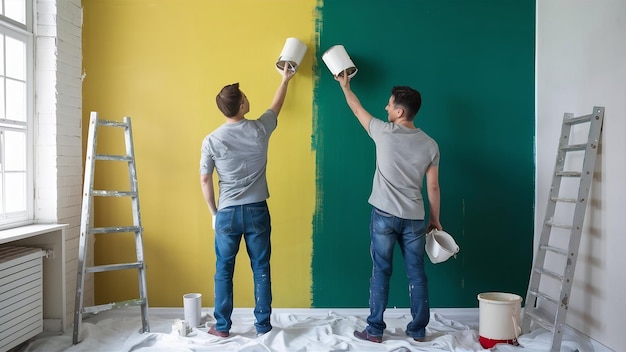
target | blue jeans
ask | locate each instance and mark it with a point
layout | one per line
(252, 221)
(385, 231)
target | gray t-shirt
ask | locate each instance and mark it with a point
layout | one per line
(402, 157)
(238, 151)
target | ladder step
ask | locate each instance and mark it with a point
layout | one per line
(574, 147)
(113, 267)
(101, 193)
(564, 200)
(554, 249)
(541, 318)
(116, 305)
(552, 274)
(563, 226)
(568, 173)
(578, 119)
(114, 157)
(548, 298)
(97, 230)
(112, 123)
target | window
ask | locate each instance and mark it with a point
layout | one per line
(16, 113)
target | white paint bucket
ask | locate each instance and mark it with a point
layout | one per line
(292, 54)
(498, 318)
(192, 308)
(337, 60)
(440, 246)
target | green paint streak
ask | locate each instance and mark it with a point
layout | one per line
(474, 65)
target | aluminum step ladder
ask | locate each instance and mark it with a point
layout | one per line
(548, 296)
(86, 230)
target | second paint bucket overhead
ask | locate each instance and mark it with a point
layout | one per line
(291, 55)
(337, 60)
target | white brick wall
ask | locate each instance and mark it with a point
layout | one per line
(58, 108)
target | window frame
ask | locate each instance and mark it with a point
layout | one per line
(23, 32)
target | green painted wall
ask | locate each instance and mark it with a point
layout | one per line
(473, 62)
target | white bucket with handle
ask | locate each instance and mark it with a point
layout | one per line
(498, 318)
(337, 60)
(291, 55)
(440, 246)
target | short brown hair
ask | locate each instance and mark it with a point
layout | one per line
(229, 99)
(408, 98)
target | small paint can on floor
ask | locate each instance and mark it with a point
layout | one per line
(181, 327)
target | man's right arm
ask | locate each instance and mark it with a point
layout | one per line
(281, 92)
(353, 102)
(206, 183)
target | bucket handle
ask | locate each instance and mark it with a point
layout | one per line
(517, 330)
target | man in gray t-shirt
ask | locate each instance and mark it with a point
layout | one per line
(404, 156)
(237, 151)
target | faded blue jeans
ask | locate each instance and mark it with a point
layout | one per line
(252, 221)
(385, 231)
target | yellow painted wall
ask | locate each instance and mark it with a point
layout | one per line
(162, 62)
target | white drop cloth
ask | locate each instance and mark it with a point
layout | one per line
(292, 332)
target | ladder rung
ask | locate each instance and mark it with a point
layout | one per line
(101, 193)
(113, 267)
(554, 249)
(113, 157)
(540, 319)
(563, 226)
(115, 305)
(574, 147)
(542, 295)
(549, 273)
(112, 123)
(96, 230)
(578, 119)
(568, 173)
(564, 200)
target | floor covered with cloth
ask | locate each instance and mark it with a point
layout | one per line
(294, 330)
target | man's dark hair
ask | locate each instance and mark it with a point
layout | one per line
(407, 98)
(229, 100)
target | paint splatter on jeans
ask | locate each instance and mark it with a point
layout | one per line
(252, 221)
(385, 231)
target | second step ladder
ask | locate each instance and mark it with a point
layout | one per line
(548, 296)
(86, 228)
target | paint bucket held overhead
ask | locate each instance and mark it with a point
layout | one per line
(337, 60)
(440, 246)
(498, 318)
(292, 54)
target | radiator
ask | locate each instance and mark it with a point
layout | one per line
(21, 295)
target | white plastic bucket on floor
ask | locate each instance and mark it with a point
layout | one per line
(498, 318)
(293, 53)
(337, 60)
